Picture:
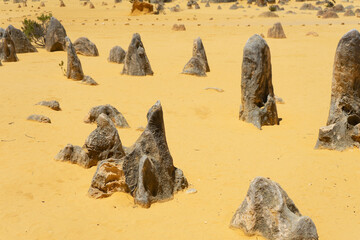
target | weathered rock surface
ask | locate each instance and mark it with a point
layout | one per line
(22, 43)
(115, 116)
(148, 168)
(74, 70)
(338, 8)
(276, 31)
(54, 105)
(136, 60)
(268, 211)
(2, 32)
(104, 142)
(89, 81)
(198, 64)
(329, 14)
(84, 46)
(39, 118)
(75, 155)
(117, 55)
(342, 127)
(7, 49)
(258, 104)
(141, 7)
(349, 13)
(179, 27)
(55, 36)
(268, 14)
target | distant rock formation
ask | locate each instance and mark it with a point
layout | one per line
(198, 64)
(180, 27)
(276, 31)
(7, 49)
(22, 43)
(54, 105)
(115, 116)
(258, 105)
(268, 211)
(342, 129)
(117, 55)
(141, 7)
(268, 14)
(39, 118)
(55, 36)
(84, 46)
(136, 61)
(349, 13)
(147, 171)
(74, 69)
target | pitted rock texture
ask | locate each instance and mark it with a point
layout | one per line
(7, 49)
(342, 127)
(258, 105)
(115, 116)
(117, 55)
(198, 64)
(150, 175)
(55, 36)
(75, 155)
(54, 105)
(136, 60)
(84, 46)
(268, 211)
(74, 70)
(39, 118)
(22, 43)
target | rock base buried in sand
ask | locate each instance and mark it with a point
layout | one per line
(258, 104)
(342, 129)
(115, 116)
(39, 118)
(74, 69)
(180, 27)
(268, 211)
(54, 105)
(148, 169)
(136, 61)
(89, 81)
(276, 31)
(22, 43)
(117, 55)
(75, 155)
(84, 46)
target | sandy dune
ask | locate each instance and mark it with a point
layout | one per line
(220, 155)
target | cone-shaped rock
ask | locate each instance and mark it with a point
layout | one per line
(136, 61)
(198, 64)
(104, 142)
(117, 55)
(258, 104)
(148, 167)
(74, 70)
(7, 49)
(84, 46)
(55, 36)
(117, 118)
(22, 43)
(268, 211)
(342, 129)
(276, 31)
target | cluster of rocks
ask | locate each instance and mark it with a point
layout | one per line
(198, 64)
(54, 105)
(145, 170)
(192, 3)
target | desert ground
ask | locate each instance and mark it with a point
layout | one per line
(45, 199)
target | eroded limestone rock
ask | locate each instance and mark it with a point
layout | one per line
(74, 70)
(55, 36)
(136, 61)
(276, 31)
(75, 155)
(117, 55)
(115, 116)
(89, 81)
(54, 105)
(268, 211)
(198, 64)
(22, 43)
(7, 49)
(342, 127)
(39, 118)
(258, 104)
(84, 46)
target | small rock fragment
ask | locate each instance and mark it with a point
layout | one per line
(39, 118)
(54, 105)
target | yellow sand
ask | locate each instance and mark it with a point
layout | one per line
(220, 155)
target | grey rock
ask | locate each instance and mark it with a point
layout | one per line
(150, 175)
(39, 118)
(308, 6)
(74, 70)
(349, 13)
(258, 104)
(2, 32)
(342, 127)
(117, 118)
(268, 211)
(338, 8)
(22, 43)
(89, 81)
(75, 155)
(198, 64)
(276, 31)
(104, 142)
(328, 14)
(117, 55)
(349, 7)
(55, 36)
(175, 8)
(54, 105)
(136, 60)
(84, 46)
(7, 49)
